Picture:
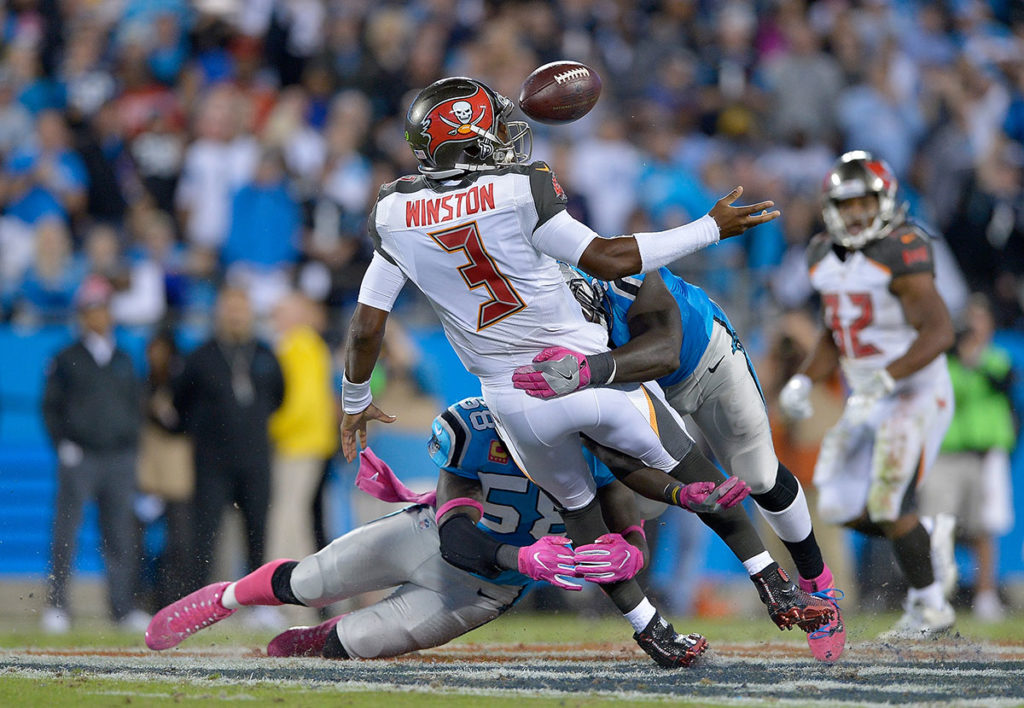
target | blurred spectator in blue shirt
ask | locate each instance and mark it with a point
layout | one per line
(874, 116)
(45, 172)
(170, 48)
(46, 291)
(263, 236)
(35, 91)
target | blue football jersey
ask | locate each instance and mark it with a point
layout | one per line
(464, 441)
(697, 310)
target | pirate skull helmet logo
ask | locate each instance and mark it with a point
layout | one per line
(460, 124)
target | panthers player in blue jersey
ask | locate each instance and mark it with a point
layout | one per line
(436, 601)
(711, 378)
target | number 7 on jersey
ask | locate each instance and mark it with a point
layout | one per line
(481, 271)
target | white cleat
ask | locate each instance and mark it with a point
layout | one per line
(988, 607)
(55, 621)
(920, 621)
(134, 622)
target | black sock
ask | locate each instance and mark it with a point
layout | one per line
(332, 646)
(806, 556)
(281, 583)
(913, 551)
(782, 494)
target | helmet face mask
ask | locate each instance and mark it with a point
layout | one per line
(459, 125)
(859, 200)
(587, 294)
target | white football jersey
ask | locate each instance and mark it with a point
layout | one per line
(469, 247)
(866, 319)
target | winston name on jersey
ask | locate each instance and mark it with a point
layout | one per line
(468, 245)
(464, 442)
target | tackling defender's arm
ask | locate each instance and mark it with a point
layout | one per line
(711, 494)
(655, 334)
(466, 546)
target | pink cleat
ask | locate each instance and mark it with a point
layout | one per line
(302, 641)
(180, 620)
(828, 641)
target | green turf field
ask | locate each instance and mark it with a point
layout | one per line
(529, 628)
(84, 688)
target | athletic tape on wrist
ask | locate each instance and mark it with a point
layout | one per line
(355, 397)
(602, 368)
(673, 493)
(459, 501)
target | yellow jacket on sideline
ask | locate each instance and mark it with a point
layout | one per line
(305, 424)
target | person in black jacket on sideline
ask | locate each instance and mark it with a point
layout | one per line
(91, 411)
(230, 386)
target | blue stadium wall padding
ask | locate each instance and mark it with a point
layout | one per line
(439, 371)
(27, 492)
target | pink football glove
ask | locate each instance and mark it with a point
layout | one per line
(706, 498)
(549, 559)
(377, 479)
(556, 371)
(609, 559)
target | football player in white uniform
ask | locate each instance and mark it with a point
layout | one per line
(479, 232)
(887, 328)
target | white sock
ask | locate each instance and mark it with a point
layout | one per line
(931, 595)
(228, 598)
(758, 563)
(793, 523)
(640, 616)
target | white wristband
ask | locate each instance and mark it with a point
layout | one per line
(355, 397)
(660, 248)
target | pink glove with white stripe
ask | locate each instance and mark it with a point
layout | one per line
(609, 559)
(549, 559)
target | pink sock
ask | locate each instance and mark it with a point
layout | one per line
(822, 582)
(256, 588)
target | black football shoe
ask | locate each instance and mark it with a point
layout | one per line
(669, 649)
(788, 605)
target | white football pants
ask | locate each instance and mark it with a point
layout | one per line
(543, 435)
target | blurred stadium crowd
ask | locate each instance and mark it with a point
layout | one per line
(175, 147)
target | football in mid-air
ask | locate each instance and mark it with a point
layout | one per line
(560, 92)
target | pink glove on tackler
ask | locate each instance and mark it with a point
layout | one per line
(379, 481)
